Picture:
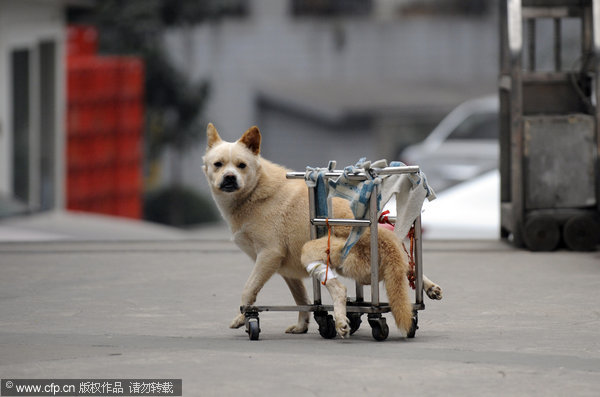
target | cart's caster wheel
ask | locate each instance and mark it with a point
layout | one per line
(541, 233)
(252, 327)
(414, 326)
(354, 322)
(326, 325)
(582, 233)
(379, 328)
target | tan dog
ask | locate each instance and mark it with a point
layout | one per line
(268, 217)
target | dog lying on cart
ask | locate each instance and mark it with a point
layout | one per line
(333, 230)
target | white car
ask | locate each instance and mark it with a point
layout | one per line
(470, 210)
(464, 144)
(467, 211)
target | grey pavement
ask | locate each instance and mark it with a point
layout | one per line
(67, 225)
(512, 323)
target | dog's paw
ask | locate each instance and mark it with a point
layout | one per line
(238, 321)
(434, 292)
(342, 326)
(300, 328)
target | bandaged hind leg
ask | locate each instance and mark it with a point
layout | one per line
(337, 290)
(321, 271)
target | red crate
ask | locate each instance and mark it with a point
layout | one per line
(128, 178)
(101, 149)
(80, 119)
(129, 206)
(73, 189)
(106, 117)
(104, 181)
(91, 78)
(131, 115)
(105, 120)
(82, 40)
(76, 205)
(80, 73)
(131, 77)
(91, 117)
(102, 205)
(128, 148)
(80, 184)
(77, 153)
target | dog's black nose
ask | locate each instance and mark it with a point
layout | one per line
(229, 183)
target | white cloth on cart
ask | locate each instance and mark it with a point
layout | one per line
(410, 190)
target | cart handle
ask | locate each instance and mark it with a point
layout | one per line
(361, 174)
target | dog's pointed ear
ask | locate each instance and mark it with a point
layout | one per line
(251, 139)
(212, 135)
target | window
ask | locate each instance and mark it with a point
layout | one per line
(477, 126)
(20, 60)
(47, 59)
(331, 7)
(33, 104)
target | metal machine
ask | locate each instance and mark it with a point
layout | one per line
(549, 130)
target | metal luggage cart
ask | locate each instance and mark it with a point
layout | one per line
(357, 306)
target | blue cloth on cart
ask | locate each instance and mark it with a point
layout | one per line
(358, 193)
(315, 177)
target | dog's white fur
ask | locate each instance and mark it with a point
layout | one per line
(268, 217)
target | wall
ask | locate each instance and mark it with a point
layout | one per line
(386, 66)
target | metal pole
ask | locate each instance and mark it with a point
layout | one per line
(557, 44)
(531, 44)
(594, 33)
(312, 213)
(341, 222)
(409, 169)
(360, 296)
(515, 39)
(374, 247)
(418, 262)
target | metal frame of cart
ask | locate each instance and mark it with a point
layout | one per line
(358, 306)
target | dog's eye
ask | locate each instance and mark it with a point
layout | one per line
(218, 164)
(242, 166)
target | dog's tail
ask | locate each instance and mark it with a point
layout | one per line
(394, 267)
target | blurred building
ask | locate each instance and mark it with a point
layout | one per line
(323, 79)
(338, 80)
(32, 99)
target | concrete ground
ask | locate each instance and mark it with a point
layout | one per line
(512, 323)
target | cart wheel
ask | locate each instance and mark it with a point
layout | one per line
(414, 327)
(326, 325)
(354, 322)
(582, 233)
(252, 327)
(541, 233)
(379, 328)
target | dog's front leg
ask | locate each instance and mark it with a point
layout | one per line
(267, 263)
(298, 291)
